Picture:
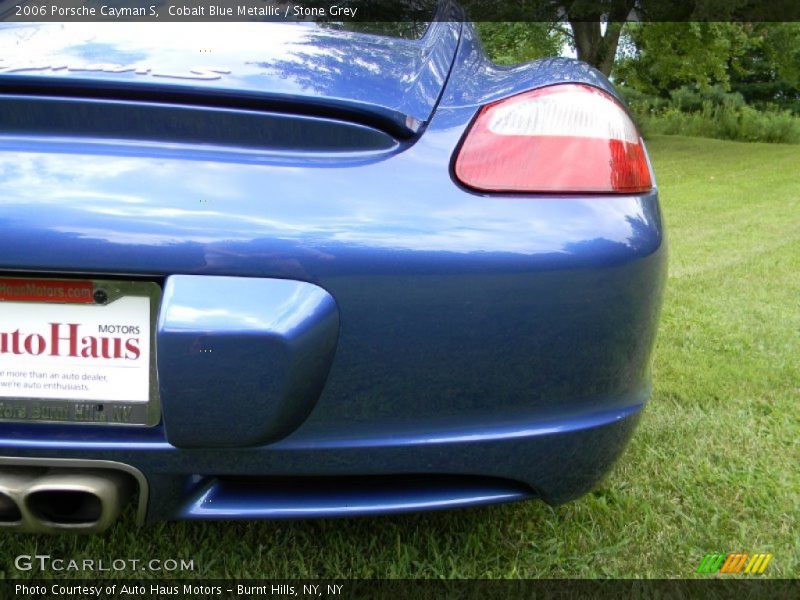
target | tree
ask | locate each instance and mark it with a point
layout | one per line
(515, 42)
(596, 28)
(768, 72)
(662, 57)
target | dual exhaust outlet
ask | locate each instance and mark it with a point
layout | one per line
(62, 500)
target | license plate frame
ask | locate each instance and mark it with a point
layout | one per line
(104, 293)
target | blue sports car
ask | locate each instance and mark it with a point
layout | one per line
(329, 272)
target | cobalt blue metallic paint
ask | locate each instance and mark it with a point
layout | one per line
(312, 138)
(489, 348)
(395, 80)
(286, 498)
(242, 361)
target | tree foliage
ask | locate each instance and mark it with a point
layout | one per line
(759, 62)
(516, 42)
(768, 71)
(661, 57)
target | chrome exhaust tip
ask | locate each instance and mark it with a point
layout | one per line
(79, 501)
(62, 500)
(9, 511)
(14, 481)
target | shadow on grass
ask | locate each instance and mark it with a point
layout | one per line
(483, 541)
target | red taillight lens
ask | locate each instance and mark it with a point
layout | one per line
(563, 138)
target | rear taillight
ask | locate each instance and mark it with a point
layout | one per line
(562, 138)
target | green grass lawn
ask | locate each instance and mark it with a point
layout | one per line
(713, 467)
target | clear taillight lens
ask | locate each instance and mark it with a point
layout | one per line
(562, 138)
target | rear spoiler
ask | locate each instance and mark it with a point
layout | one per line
(392, 122)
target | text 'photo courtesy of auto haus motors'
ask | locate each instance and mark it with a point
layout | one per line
(325, 273)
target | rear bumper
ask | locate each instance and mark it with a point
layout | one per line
(464, 380)
(554, 461)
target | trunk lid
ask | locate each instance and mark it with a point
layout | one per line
(300, 68)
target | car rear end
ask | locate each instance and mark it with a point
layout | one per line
(288, 286)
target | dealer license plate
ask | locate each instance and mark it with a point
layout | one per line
(78, 351)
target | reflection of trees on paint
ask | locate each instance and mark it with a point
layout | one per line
(350, 66)
(406, 19)
(641, 233)
(408, 30)
(641, 236)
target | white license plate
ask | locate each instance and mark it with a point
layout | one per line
(78, 351)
